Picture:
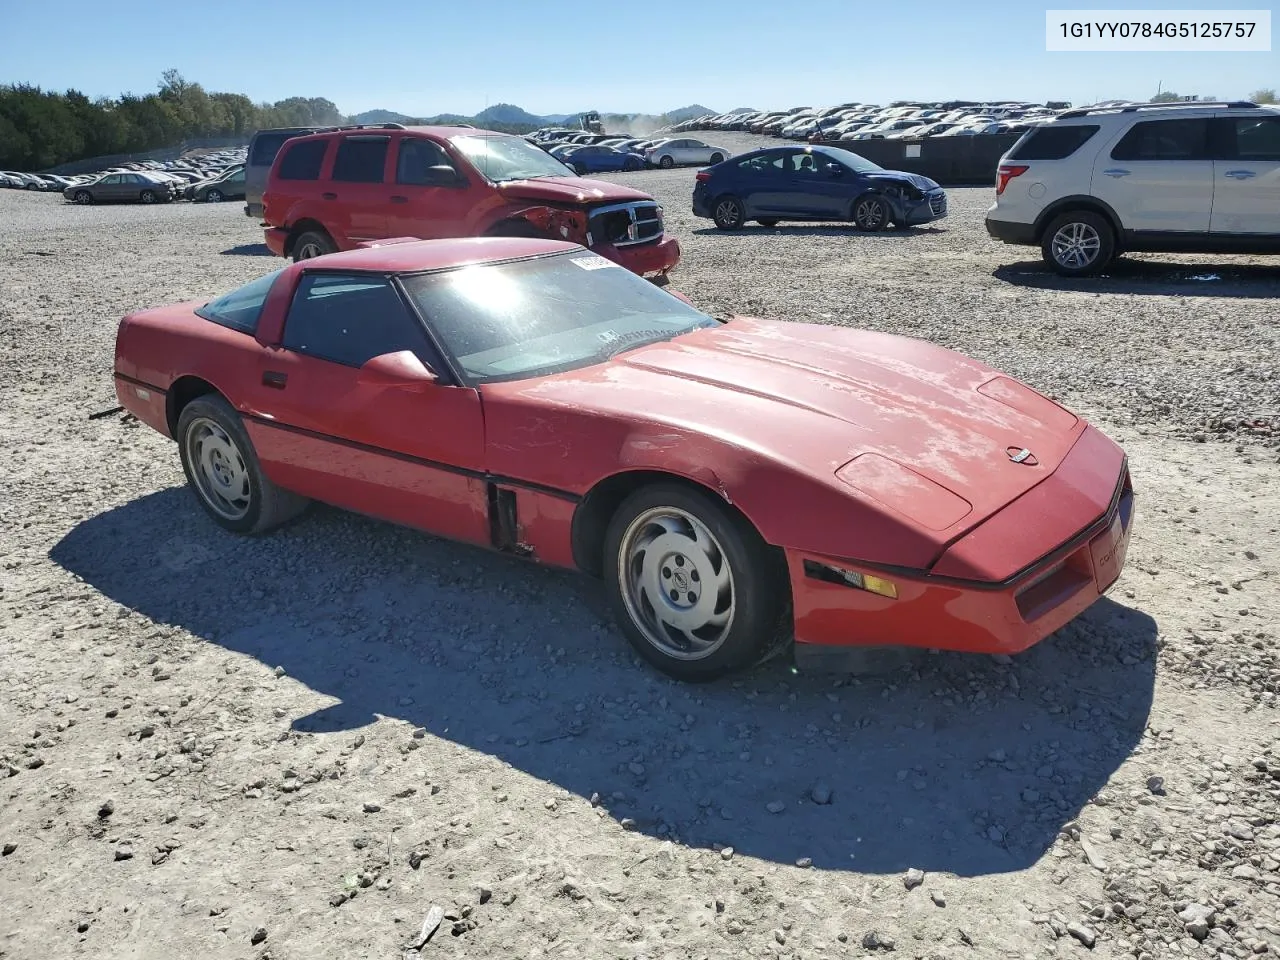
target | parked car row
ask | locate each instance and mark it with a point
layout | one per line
(597, 153)
(860, 121)
(211, 177)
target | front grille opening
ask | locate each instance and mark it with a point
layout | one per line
(626, 225)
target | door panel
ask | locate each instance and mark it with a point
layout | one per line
(404, 455)
(415, 208)
(1158, 176)
(1246, 196)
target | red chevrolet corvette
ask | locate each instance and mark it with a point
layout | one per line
(737, 484)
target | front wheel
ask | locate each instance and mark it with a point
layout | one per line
(871, 214)
(222, 468)
(214, 196)
(770, 222)
(1079, 243)
(147, 196)
(695, 589)
(579, 169)
(83, 197)
(729, 214)
(666, 163)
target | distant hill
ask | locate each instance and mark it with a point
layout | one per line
(510, 118)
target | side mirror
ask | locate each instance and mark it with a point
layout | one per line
(441, 176)
(834, 170)
(400, 369)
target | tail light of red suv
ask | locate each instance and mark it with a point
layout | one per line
(1006, 172)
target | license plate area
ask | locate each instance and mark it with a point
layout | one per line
(1108, 552)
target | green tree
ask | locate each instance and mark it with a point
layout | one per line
(1265, 95)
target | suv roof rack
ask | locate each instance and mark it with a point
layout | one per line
(370, 126)
(1175, 104)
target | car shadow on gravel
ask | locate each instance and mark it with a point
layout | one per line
(815, 230)
(1153, 278)
(956, 764)
(248, 250)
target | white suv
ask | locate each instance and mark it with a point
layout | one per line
(1096, 182)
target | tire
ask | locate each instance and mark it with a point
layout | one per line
(224, 473)
(768, 223)
(32, 186)
(717, 158)
(666, 163)
(214, 196)
(631, 166)
(728, 213)
(1078, 243)
(701, 542)
(147, 196)
(871, 213)
(312, 243)
(83, 197)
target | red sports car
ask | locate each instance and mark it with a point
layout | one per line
(736, 483)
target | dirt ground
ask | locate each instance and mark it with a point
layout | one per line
(294, 747)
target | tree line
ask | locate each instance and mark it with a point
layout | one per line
(41, 128)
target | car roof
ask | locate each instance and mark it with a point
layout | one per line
(419, 256)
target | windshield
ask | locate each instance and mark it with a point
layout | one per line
(851, 160)
(511, 321)
(504, 157)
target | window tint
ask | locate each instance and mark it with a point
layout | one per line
(763, 163)
(1258, 138)
(113, 179)
(237, 177)
(361, 159)
(301, 161)
(267, 145)
(349, 319)
(240, 309)
(1164, 140)
(1052, 143)
(416, 158)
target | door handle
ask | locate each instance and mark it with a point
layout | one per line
(399, 199)
(274, 378)
(329, 196)
(1239, 174)
(1116, 172)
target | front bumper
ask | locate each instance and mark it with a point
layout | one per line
(649, 260)
(932, 207)
(276, 239)
(970, 616)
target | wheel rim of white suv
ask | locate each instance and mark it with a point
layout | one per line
(1076, 245)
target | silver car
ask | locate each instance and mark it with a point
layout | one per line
(670, 153)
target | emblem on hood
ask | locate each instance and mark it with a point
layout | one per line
(1022, 455)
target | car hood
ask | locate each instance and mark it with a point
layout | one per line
(901, 176)
(892, 418)
(575, 190)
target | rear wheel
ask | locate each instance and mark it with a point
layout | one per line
(696, 590)
(312, 243)
(1078, 243)
(717, 158)
(222, 468)
(870, 214)
(728, 214)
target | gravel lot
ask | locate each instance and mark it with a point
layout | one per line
(296, 746)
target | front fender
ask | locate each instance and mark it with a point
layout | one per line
(559, 223)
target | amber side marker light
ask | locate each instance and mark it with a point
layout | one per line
(851, 578)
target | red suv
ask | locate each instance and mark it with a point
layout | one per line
(333, 190)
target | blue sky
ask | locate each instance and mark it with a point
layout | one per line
(423, 58)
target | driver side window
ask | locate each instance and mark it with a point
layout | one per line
(415, 160)
(351, 318)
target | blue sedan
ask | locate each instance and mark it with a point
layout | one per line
(598, 159)
(814, 183)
